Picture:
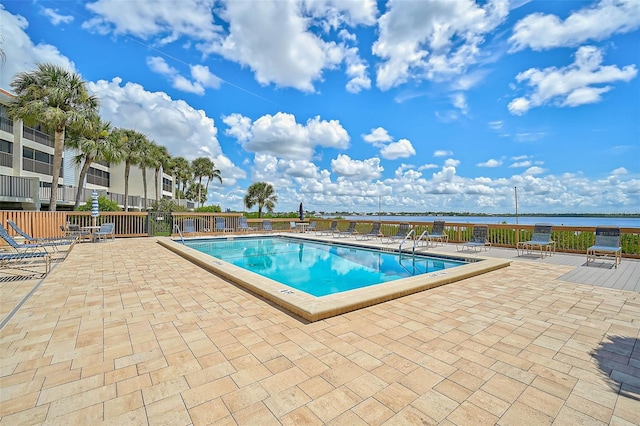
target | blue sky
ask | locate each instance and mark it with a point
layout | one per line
(423, 105)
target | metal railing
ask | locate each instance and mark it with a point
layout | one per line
(37, 136)
(568, 239)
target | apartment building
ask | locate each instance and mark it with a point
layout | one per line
(26, 163)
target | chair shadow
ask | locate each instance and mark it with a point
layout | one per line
(619, 359)
(599, 265)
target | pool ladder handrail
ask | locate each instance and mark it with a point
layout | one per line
(406, 237)
(417, 240)
(177, 228)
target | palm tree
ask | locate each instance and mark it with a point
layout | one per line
(146, 150)
(93, 144)
(129, 144)
(160, 160)
(204, 167)
(213, 173)
(56, 98)
(182, 173)
(262, 194)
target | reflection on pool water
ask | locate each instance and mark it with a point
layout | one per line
(318, 268)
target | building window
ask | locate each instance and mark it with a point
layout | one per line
(98, 177)
(6, 153)
(6, 123)
(166, 185)
(37, 162)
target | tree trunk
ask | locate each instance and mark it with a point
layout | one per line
(158, 186)
(144, 186)
(127, 167)
(58, 148)
(83, 173)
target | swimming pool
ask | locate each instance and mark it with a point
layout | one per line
(314, 308)
(319, 268)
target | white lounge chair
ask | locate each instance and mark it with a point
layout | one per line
(607, 245)
(351, 230)
(437, 233)
(401, 234)
(479, 239)
(373, 233)
(541, 239)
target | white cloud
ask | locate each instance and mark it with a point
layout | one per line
(21, 53)
(183, 130)
(399, 149)
(490, 163)
(389, 150)
(495, 125)
(343, 165)
(597, 22)
(432, 40)
(459, 100)
(572, 85)
(442, 153)
(280, 47)
(526, 163)
(55, 17)
(281, 136)
(154, 18)
(200, 73)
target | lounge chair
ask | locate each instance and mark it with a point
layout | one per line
(607, 244)
(293, 227)
(330, 230)
(373, 233)
(31, 247)
(351, 230)
(437, 234)
(266, 225)
(29, 238)
(106, 230)
(541, 239)
(401, 234)
(26, 261)
(479, 239)
(220, 225)
(244, 226)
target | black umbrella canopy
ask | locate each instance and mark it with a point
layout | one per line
(301, 212)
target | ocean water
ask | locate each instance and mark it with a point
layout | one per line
(622, 222)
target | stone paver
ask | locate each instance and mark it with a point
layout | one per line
(127, 332)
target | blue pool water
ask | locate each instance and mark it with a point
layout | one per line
(317, 268)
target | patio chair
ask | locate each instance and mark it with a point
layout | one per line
(31, 247)
(479, 239)
(292, 226)
(329, 231)
(437, 233)
(29, 238)
(351, 230)
(74, 231)
(373, 233)
(220, 225)
(541, 239)
(266, 225)
(607, 244)
(401, 234)
(312, 226)
(244, 226)
(189, 226)
(25, 262)
(106, 230)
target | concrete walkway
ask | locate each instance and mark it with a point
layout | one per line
(127, 332)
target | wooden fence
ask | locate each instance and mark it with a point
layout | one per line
(568, 239)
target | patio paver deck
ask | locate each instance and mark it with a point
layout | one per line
(127, 332)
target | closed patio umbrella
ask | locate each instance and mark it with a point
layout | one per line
(301, 213)
(95, 211)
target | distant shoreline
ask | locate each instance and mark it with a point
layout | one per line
(613, 215)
